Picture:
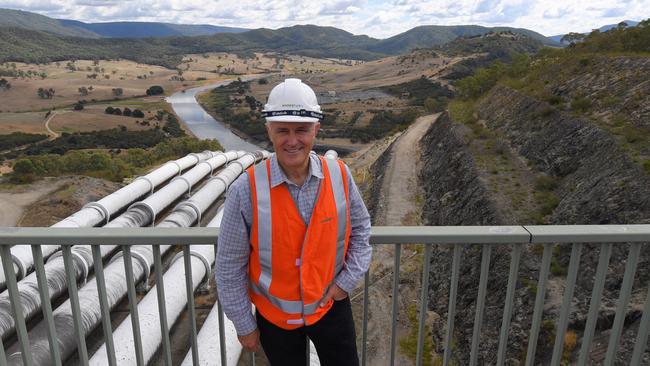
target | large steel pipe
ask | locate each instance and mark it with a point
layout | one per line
(210, 344)
(148, 313)
(82, 254)
(99, 212)
(116, 286)
(144, 213)
(189, 211)
(185, 214)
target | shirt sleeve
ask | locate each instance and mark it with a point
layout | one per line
(357, 259)
(233, 250)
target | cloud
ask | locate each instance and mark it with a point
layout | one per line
(340, 7)
(614, 12)
(377, 18)
(485, 6)
(555, 13)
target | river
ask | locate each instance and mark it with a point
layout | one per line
(201, 123)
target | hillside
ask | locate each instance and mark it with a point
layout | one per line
(23, 45)
(73, 28)
(604, 28)
(148, 29)
(486, 49)
(435, 35)
(31, 37)
(561, 138)
(33, 21)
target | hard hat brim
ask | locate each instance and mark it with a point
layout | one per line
(291, 119)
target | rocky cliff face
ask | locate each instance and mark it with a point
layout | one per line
(456, 195)
(597, 184)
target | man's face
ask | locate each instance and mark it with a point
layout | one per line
(292, 141)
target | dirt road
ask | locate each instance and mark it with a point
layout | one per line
(401, 206)
(52, 134)
(14, 202)
(401, 180)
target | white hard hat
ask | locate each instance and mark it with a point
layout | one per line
(292, 101)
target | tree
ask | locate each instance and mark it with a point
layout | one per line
(155, 90)
(127, 112)
(45, 93)
(137, 113)
(4, 84)
(572, 38)
(109, 110)
(78, 106)
(117, 91)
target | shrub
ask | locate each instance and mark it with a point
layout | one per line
(78, 106)
(555, 99)
(109, 110)
(546, 183)
(155, 90)
(580, 104)
(646, 165)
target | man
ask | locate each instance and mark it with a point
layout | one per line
(294, 242)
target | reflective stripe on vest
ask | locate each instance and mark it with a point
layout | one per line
(264, 235)
(263, 191)
(341, 210)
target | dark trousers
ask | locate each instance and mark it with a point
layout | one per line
(333, 336)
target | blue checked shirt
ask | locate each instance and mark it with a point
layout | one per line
(234, 245)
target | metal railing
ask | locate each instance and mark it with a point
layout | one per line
(487, 236)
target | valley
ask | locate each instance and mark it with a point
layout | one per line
(486, 129)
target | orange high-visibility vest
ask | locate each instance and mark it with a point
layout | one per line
(291, 264)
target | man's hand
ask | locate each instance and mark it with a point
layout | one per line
(251, 341)
(335, 292)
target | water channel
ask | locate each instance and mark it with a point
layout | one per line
(201, 123)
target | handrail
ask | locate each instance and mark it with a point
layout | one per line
(485, 236)
(379, 234)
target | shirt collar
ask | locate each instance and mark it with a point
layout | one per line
(278, 177)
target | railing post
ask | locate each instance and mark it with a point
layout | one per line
(642, 335)
(364, 327)
(507, 308)
(480, 303)
(133, 304)
(74, 304)
(162, 306)
(424, 300)
(594, 306)
(393, 332)
(451, 312)
(623, 300)
(574, 263)
(16, 306)
(44, 293)
(539, 304)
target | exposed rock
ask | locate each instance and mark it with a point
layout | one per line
(598, 184)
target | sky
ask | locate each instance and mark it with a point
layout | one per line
(375, 18)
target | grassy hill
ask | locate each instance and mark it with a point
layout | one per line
(73, 28)
(33, 21)
(604, 28)
(22, 45)
(147, 29)
(617, 101)
(31, 37)
(434, 35)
